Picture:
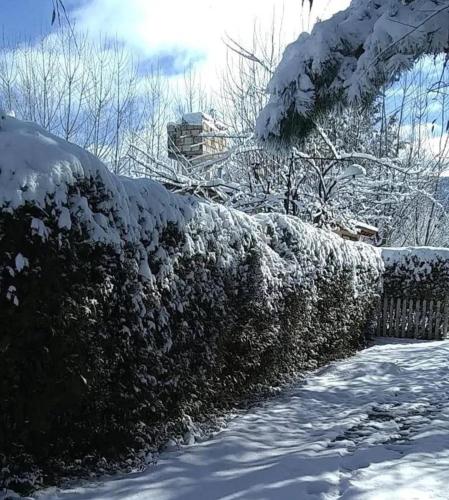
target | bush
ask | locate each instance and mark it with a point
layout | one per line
(127, 311)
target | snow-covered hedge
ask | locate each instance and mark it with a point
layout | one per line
(417, 272)
(125, 310)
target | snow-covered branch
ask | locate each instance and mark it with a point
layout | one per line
(347, 59)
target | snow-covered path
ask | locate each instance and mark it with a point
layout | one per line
(375, 426)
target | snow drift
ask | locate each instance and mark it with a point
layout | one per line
(346, 59)
(127, 311)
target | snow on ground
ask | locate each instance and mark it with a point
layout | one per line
(375, 426)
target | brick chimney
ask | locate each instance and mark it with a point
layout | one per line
(195, 138)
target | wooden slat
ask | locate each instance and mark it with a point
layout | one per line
(417, 318)
(445, 318)
(405, 318)
(411, 319)
(391, 318)
(384, 318)
(411, 322)
(430, 323)
(397, 325)
(423, 321)
(379, 318)
(436, 331)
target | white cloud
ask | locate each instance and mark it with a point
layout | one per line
(195, 28)
(434, 140)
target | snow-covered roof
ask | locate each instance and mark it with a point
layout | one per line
(363, 226)
(356, 228)
(346, 59)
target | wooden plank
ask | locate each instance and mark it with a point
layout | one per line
(391, 318)
(411, 319)
(445, 318)
(405, 318)
(430, 321)
(436, 331)
(422, 323)
(397, 325)
(384, 318)
(379, 318)
(417, 317)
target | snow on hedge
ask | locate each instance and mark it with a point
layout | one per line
(38, 168)
(346, 59)
(417, 272)
(407, 254)
(126, 310)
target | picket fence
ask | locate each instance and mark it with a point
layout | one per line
(416, 318)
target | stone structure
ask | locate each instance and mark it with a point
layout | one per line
(196, 137)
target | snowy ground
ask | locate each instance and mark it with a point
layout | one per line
(375, 426)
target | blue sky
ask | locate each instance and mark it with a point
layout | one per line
(175, 32)
(25, 19)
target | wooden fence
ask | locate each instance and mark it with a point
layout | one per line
(413, 318)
